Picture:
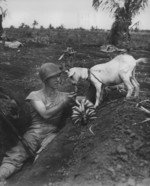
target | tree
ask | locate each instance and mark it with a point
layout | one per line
(61, 27)
(123, 11)
(3, 13)
(22, 25)
(41, 27)
(51, 26)
(35, 23)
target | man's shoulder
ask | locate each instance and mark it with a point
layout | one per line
(35, 95)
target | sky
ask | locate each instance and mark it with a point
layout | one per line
(69, 13)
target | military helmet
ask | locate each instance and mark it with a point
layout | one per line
(48, 70)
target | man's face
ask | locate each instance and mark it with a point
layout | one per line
(54, 81)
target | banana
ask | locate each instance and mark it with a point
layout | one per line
(77, 102)
(78, 120)
(92, 118)
(81, 107)
(74, 107)
(75, 115)
(91, 107)
(92, 115)
(74, 119)
(89, 104)
(77, 109)
(75, 112)
(92, 112)
(87, 111)
(86, 101)
(84, 110)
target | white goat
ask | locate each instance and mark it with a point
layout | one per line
(119, 70)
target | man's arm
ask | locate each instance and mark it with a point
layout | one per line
(49, 113)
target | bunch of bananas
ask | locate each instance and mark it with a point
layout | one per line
(83, 112)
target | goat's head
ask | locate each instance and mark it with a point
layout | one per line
(73, 75)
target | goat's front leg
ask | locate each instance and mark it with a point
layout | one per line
(75, 88)
(98, 94)
(102, 93)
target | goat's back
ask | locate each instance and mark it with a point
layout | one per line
(119, 61)
(112, 71)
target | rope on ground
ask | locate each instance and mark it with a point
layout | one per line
(143, 109)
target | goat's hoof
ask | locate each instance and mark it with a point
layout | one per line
(136, 96)
(129, 98)
(95, 106)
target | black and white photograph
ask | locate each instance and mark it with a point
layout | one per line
(75, 92)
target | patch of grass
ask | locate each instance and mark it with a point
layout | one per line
(140, 40)
(73, 37)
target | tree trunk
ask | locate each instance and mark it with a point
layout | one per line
(119, 34)
(1, 27)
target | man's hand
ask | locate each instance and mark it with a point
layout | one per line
(69, 99)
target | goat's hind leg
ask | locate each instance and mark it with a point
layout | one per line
(130, 88)
(136, 87)
(135, 84)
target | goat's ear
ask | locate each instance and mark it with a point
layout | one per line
(71, 74)
(67, 71)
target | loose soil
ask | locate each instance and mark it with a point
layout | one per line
(117, 154)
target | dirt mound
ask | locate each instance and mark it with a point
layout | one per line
(113, 154)
(117, 152)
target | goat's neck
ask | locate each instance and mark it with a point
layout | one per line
(84, 75)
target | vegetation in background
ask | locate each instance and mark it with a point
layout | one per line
(75, 38)
(123, 12)
(3, 13)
